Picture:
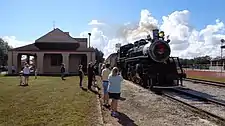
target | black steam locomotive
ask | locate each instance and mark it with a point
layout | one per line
(147, 62)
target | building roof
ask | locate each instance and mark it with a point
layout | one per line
(56, 36)
(33, 47)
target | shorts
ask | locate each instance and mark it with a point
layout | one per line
(115, 96)
(26, 75)
(105, 86)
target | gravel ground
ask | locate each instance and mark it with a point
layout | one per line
(144, 108)
(207, 90)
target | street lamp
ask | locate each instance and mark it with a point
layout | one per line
(89, 44)
(89, 38)
(222, 41)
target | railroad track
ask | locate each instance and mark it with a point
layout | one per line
(204, 106)
(195, 102)
(213, 83)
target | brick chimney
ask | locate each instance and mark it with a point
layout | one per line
(67, 33)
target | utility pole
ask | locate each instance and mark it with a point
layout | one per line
(222, 41)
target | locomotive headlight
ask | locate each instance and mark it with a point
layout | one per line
(160, 51)
(160, 48)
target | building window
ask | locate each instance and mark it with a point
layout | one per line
(56, 59)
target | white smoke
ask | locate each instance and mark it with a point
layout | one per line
(186, 41)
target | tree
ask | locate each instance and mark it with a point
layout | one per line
(4, 47)
(99, 56)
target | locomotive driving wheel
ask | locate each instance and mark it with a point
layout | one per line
(138, 79)
(129, 76)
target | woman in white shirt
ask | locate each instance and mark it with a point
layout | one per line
(114, 89)
(26, 73)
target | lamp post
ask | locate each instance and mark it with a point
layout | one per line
(89, 39)
(222, 41)
(89, 43)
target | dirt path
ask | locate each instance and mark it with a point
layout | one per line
(144, 108)
(205, 73)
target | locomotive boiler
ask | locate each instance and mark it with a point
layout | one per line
(148, 62)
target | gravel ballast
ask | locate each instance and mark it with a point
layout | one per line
(208, 91)
(144, 108)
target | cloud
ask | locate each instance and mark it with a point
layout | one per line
(95, 22)
(12, 41)
(186, 41)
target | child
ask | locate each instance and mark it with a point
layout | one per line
(114, 90)
(35, 73)
(21, 77)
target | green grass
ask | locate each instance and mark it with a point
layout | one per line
(46, 101)
(216, 79)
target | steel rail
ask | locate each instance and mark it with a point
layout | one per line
(199, 110)
(207, 82)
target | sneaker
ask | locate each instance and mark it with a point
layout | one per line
(114, 114)
(106, 105)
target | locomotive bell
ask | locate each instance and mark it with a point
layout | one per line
(161, 34)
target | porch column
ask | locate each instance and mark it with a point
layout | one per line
(10, 62)
(223, 65)
(28, 59)
(16, 61)
(66, 61)
(40, 58)
(210, 63)
(35, 61)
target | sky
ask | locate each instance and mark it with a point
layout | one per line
(195, 26)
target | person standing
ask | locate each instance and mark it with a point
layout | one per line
(104, 76)
(35, 73)
(102, 67)
(114, 90)
(62, 71)
(90, 75)
(21, 78)
(26, 73)
(13, 69)
(81, 75)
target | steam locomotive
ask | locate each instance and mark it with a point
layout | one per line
(147, 62)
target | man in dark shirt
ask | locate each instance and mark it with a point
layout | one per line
(62, 71)
(81, 75)
(90, 75)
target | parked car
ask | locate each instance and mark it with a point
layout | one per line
(3, 68)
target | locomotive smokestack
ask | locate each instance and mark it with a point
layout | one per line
(155, 34)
